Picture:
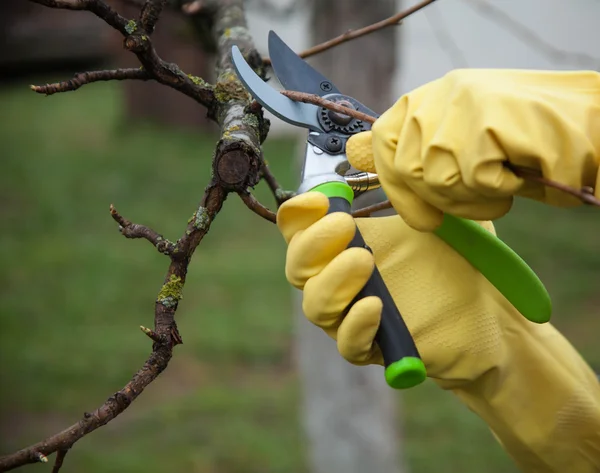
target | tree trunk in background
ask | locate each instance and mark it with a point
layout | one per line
(349, 413)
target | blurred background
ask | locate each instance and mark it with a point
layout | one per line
(243, 393)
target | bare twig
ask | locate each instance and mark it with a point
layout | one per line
(353, 34)
(60, 458)
(586, 195)
(328, 104)
(137, 40)
(150, 13)
(114, 406)
(367, 211)
(82, 78)
(257, 207)
(134, 230)
(279, 193)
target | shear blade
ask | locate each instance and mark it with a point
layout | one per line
(296, 113)
(294, 73)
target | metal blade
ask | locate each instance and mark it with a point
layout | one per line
(296, 113)
(294, 73)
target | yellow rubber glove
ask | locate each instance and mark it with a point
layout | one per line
(441, 147)
(524, 380)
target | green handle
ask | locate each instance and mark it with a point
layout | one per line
(500, 265)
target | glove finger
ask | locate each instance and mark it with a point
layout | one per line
(330, 292)
(449, 189)
(416, 212)
(310, 250)
(356, 334)
(396, 161)
(300, 212)
(359, 150)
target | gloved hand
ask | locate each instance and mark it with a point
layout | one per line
(525, 380)
(441, 147)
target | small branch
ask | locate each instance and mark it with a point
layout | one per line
(257, 207)
(586, 195)
(82, 78)
(113, 406)
(134, 230)
(279, 193)
(328, 104)
(367, 211)
(137, 40)
(60, 458)
(353, 34)
(150, 13)
(155, 337)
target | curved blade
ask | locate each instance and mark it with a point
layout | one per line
(294, 73)
(296, 113)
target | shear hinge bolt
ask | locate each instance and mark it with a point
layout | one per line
(333, 143)
(325, 86)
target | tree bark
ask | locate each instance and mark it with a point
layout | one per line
(349, 413)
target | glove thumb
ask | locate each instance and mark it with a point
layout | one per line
(359, 150)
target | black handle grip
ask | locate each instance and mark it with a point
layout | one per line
(403, 365)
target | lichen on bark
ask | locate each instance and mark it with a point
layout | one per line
(242, 130)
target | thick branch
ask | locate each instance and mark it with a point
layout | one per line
(82, 78)
(586, 195)
(238, 158)
(353, 34)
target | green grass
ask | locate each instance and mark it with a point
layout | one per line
(74, 292)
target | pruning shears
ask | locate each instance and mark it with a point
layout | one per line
(326, 169)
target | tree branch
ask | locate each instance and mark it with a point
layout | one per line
(137, 40)
(586, 195)
(150, 13)
(82, 78)
(353, 34)
(238, 157)
(60, 458)
(165, 336)
(134, 230)
(257, 207)
(367, 211)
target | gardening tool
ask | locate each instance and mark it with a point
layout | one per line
(326, 169)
